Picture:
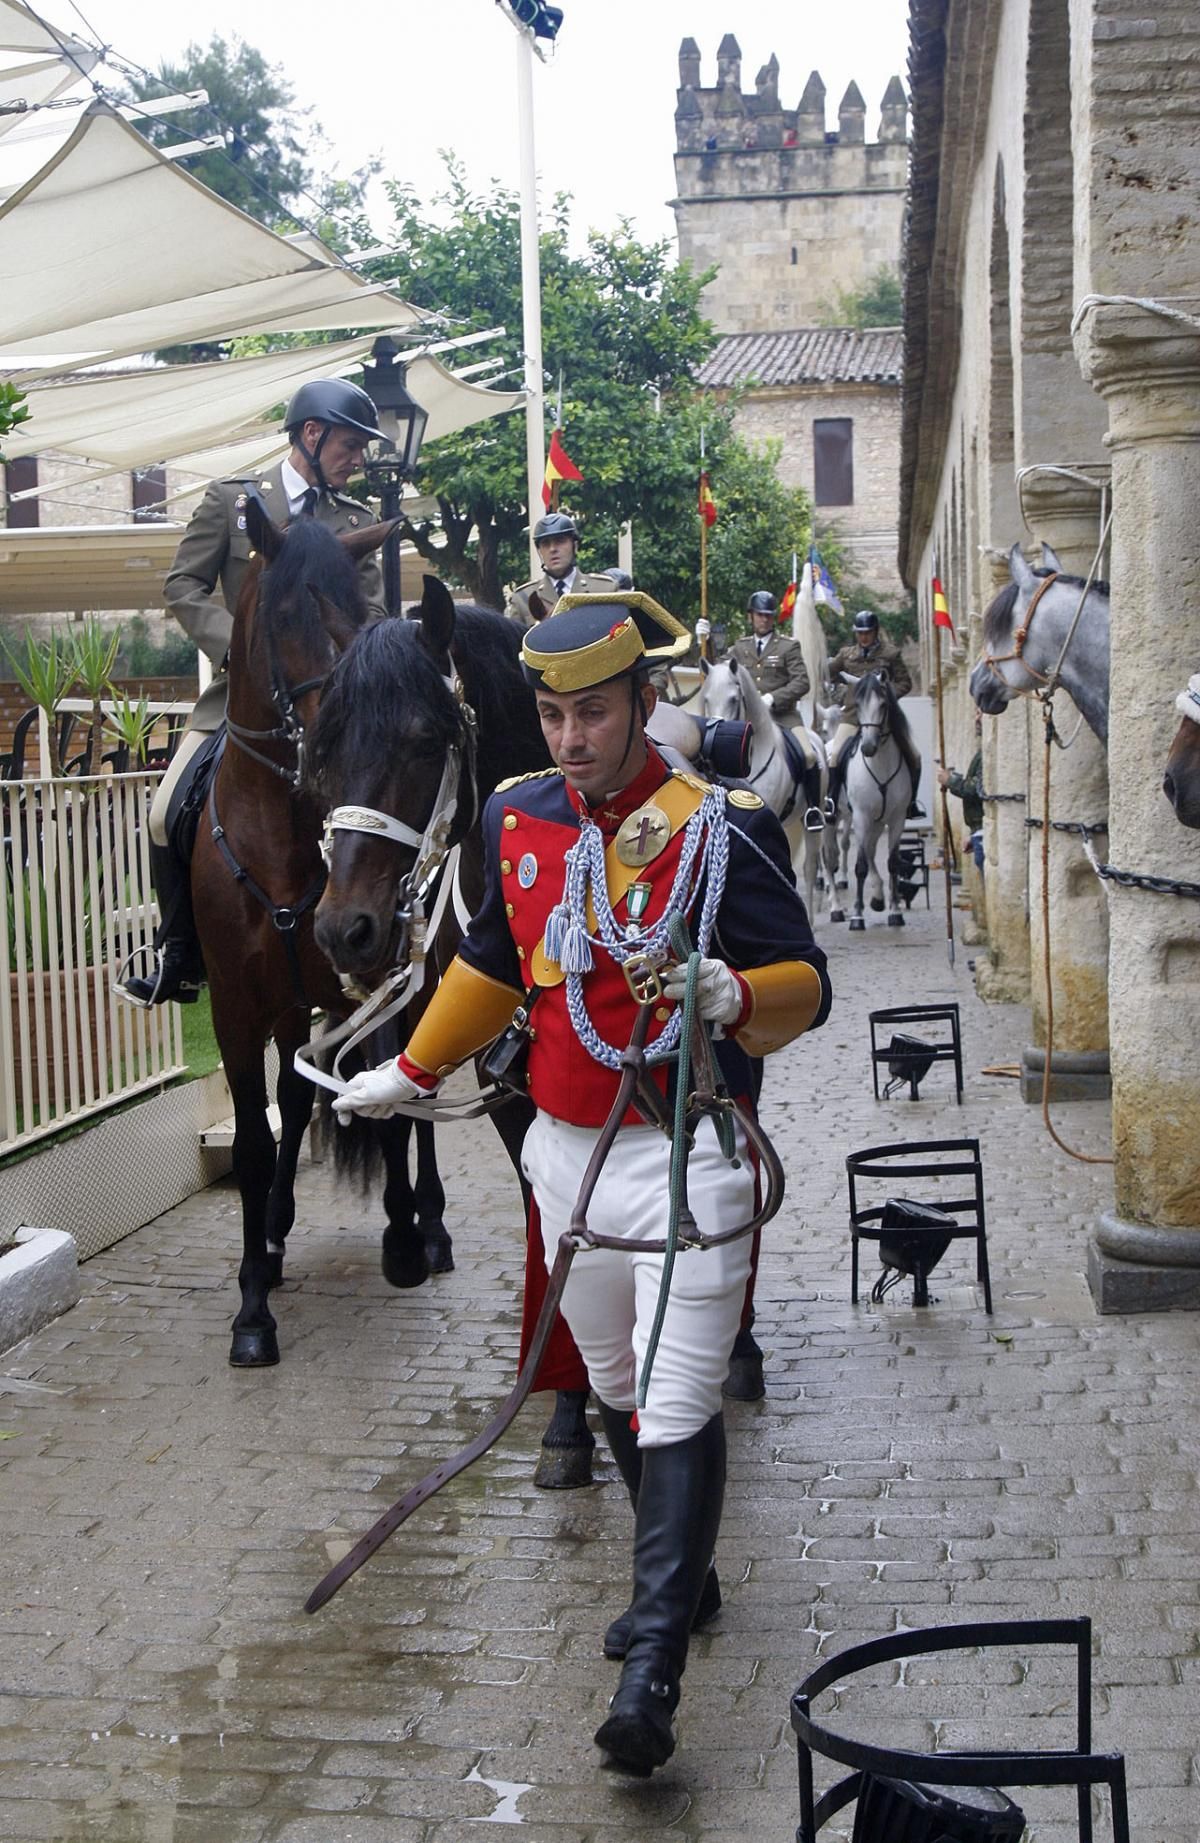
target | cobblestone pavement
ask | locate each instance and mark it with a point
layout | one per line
(164, 1516)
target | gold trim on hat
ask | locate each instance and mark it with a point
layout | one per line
(581, 667)
(674, 648)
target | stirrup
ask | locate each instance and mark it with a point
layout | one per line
(830, 810)
(145, 990)
(814, 820)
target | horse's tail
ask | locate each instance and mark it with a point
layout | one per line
(357, 1151)
(807, 629)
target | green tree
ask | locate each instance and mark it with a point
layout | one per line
(879, 302)
(623, 325)
(13, 410)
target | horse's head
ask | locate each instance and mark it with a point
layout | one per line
(723, 688)
(1025, 628)
(874, 704)
(1181, 782)
(391, 758)
(300, 605)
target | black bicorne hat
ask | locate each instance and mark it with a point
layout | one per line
(592, 638)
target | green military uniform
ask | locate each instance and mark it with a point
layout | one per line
(779, 671)
(968, 788)
(883, 655)
(546, 589)
(215, 548)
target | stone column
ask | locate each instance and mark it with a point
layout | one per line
(1146, 1253)
(1003, 978)
(1065, 513)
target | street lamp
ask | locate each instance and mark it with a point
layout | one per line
(403, 422)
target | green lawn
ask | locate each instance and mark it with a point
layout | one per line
(200, 1051)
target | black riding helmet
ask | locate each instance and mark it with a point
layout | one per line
(865, 622)
(338, 404)
(761, 602)
(555, 525)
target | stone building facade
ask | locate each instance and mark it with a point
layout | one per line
(796, 382)
(1052, 368)
(788, 212)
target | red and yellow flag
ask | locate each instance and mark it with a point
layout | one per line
(941, 609)
(559, 466)
(788, 602)
(707, 505)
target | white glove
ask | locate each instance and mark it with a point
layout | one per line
(703, 628)
(769, 699)
(376, 1093)
(718, 994)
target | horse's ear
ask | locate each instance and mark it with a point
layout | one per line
(336, 622)
(1019, 569)
(705, 666)
(1049, 560)
(261, 529)
(362, 542)
(847, 678)
(436, 615)
(537, 606)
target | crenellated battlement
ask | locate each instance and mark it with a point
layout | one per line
(729, 120)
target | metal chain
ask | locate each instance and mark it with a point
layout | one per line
(1136, 880)
(1017, 799)
(1075, 827)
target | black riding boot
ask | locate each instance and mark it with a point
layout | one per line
(174, 965)
(678, 1515)
(625, 1450)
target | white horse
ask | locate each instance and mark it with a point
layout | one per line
(797, 799)
(835, 850)
(1025, 629)
(882, 777)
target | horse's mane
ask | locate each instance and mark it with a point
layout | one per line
(310, 558)
(387, 695)
(997, 620)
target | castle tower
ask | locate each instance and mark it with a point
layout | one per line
(790, 213)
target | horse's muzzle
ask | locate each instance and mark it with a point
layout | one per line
(868, 745)
(353, 939)
(988, 690)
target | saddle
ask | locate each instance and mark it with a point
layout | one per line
(804, 775)
(189, 796)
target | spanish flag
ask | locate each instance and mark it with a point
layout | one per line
(941, 609)
(559, 466)
(789, 602)
(707, 505)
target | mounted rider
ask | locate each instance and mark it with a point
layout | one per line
(586, 865)
(329, 422)
(556, 540)
(775, 663)
(869, 651)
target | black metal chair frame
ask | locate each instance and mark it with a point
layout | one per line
(869, 1163)
(912, 844)
(1079, 1766)
(939, 1052)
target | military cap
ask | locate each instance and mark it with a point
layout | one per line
(592, 638)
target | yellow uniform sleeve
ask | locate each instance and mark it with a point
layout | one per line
(465, 1014)
(786, 999)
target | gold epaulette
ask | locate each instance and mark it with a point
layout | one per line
(515, 780)
(696, 781)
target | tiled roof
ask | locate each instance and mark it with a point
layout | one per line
(810, 355)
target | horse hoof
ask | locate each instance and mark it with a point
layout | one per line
(837, 914)
(745, 1379)
(439, 1250)
(563, 1468)
(895, 919)
(857, 924)
(254, 1349)
(405, 1263)
(878, 904)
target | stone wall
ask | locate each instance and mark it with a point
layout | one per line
(866, 530)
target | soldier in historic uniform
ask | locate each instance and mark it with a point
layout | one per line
(329, 423)
(556, 539)
(869, 651)
(585, 865)
(773, 660)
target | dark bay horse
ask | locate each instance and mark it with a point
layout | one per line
(1181, 781)
(407, 698)
(257, 875)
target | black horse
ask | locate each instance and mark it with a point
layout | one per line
(404, 698)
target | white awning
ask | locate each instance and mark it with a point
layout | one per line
(142, 418)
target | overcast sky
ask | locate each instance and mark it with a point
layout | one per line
(403, 78)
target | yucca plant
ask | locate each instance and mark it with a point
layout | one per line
(129, 724)
(93, 653)
(45, 673)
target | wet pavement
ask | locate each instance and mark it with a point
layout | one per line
(163, 1517)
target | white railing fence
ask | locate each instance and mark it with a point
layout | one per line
(76, 900)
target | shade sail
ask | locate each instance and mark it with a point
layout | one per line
(34, 82)
(141, 418)
(110, 224)
(22, 31)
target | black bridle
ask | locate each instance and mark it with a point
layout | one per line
(284, 697)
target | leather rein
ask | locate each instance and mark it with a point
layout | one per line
(992, 660)
(636, 1088)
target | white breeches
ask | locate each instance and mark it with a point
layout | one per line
(841, 737)
(188, 745)
(610, 1297)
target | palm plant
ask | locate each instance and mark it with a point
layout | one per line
(45, 673)
(129, 724)
(93, 652)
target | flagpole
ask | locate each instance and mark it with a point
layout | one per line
(946, 842)
(531, 290)
(703, 549)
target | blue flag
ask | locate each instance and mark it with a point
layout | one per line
(824, 593)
